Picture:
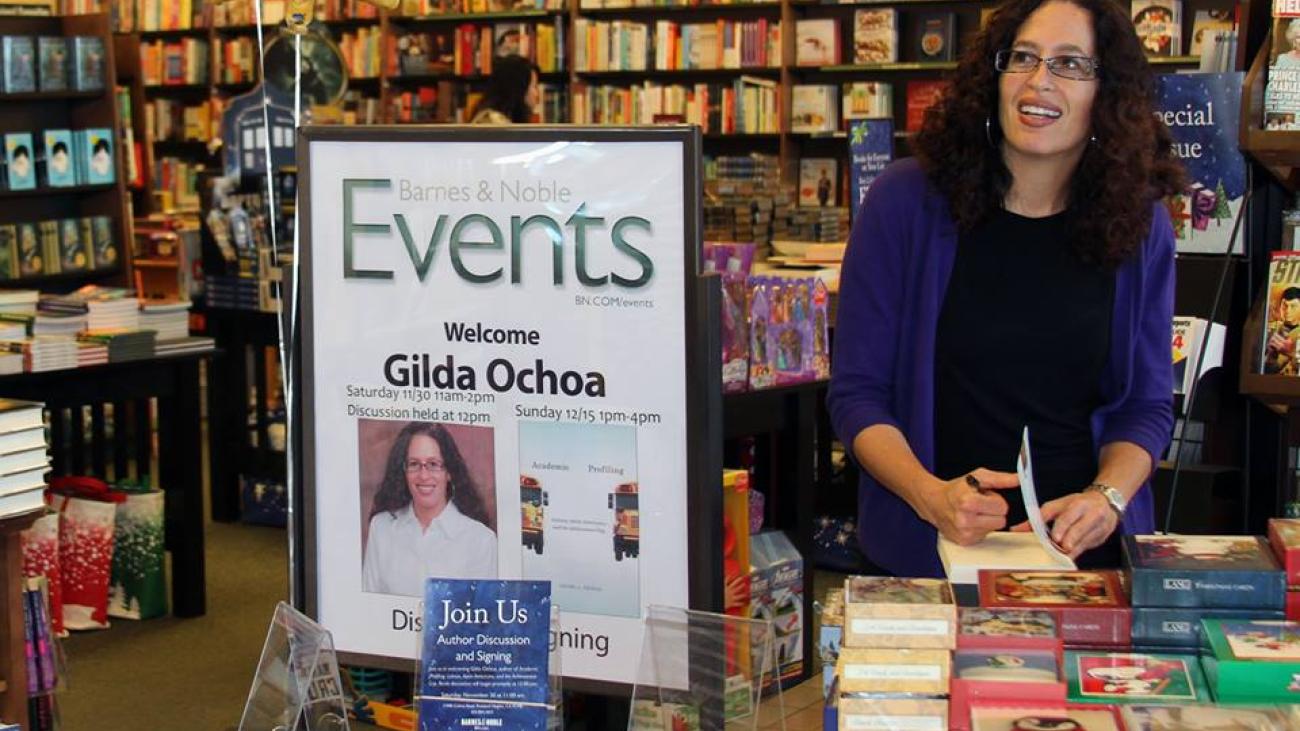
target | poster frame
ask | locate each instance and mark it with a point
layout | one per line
(702, 357)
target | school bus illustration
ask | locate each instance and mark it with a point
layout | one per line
(627, 521)
(532, 504)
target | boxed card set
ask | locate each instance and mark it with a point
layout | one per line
(1284, 538)
(1001, 629)
(830, 636)
(1043, 717)
(884, 611)
(1128, 677)
(1186, 718)
(1252, 661)
(1179, 628)
(892, 713)
(1204, 571)
(881, 670)
(1089, 606)
(1003, 676)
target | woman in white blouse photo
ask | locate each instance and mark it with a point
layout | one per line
(428, 518)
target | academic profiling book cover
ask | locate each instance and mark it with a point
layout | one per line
(579, 502)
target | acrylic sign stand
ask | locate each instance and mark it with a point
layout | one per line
(697, 671)
(297, 686)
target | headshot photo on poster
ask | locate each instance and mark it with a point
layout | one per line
(428, 504)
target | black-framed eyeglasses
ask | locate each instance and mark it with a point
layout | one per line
(1076, 68)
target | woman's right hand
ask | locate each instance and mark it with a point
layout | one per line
(966, 509)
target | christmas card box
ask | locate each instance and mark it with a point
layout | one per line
(18, 56)
(1013, 629)
(53, 52)
(830, 636)
(1293, 606)
(991, 676)
(1204, 571)
(878, 670)
(999, 550)
(59, 169)
(20, 161)
(1089, 605)
(862, 711)
(1180, 717)
(1119, 677)
(1043, 716)
(1180, 628)
(1284, 538)
(1252, 661)
(884, 611)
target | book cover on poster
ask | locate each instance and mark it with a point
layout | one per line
(1203, 571)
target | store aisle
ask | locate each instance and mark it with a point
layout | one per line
(191, 674)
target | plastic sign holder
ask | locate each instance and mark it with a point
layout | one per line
(706, 670)
(297, 686)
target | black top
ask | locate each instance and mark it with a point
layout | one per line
(1022, 340)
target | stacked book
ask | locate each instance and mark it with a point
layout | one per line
(91, 354)
(192, 344)
(18, 300)
(829, 224)
(24, 458)
(43, 353)
(123, 345)
(746, 200)
(1284, 537)
(171, 320)
(896, 658)
(66, 324)
(106, 308)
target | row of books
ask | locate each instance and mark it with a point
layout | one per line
(625, 45)
(176, 180)
(746, 106)
(51, 63)
(175, 120)
(466, 49)
(818, 108)
(64, 159)
(449, 101)
(875, 38)
(24, 460)
(237, 60)
(44, 662)
(421, 8)
(65, 245)
(361, 51)
(175, 63)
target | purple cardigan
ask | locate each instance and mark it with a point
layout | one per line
(895, 275)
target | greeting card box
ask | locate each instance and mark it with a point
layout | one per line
(863, 712)
(877, 670)
(1252, 661)
(1117, 677)
(53, 52)
(1041, 717)
(20, 161)
(1284, 539)
(1089, 605)
(1015, 676)
(893, 612)
(1014, 629)
(1179, 717)
(60, 172)
(1204, 571)
(1293, 606)
(18, 56)
(830, 634)
(1180, 629)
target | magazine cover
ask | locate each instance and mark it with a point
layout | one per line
(817, 181)
(1282, 87)
(1184, 339)
(1203, 114)
(1280, 351)
(580, 509)
(1043, 718)
(1096, 677)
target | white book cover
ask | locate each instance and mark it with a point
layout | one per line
(817, 42)
(813, 108)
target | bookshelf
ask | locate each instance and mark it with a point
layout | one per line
(13, 662)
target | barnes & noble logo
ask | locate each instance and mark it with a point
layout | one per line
(477, 232)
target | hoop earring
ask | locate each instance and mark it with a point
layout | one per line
(1093, 139)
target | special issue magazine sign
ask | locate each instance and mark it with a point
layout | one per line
(495, 340)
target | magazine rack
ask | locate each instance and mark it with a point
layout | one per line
(707, 671)
(297, 686)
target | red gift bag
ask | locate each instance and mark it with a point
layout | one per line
(41, 558)
(87, 510)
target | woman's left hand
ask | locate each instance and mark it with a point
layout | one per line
(1079, 521)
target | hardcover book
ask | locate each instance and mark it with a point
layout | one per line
(87, 63)
(53, 52)
(105, 250)
(1204, 571)
(1252, 661)
(1110, 678)
(1089, 605)
(8, 251)
(1179, 717)
(879, 670)
(49, 235)
(97, 151)
(817, 42)
(875, 36)
(921, 95)
(1284, 539)
(1159, 26)
(72, 250)
(817, 178)
(20, 161)
(897, 612)
(813, 108)
(59, 169)
(1280, 349)
(1036, 717)
(1180, 629)
(867, 100)
(31, 259)
(19, 58)
(937, 37)
(1206, 25)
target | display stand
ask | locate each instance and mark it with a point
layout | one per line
(297, 685)
(706, 671)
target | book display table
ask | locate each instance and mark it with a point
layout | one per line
(128, 437)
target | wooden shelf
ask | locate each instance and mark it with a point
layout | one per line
(150, 35)
(755, 71)
(1278, 152)
(74, 190)
(660, 10)
(471, 17)
(1173, 60)
(403, 79)
(858, 68)
(235, 87)
(36, 96)
(235, 30)
(176, 88)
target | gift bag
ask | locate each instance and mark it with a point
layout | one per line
(138, 587)
(41, 558)
(87, 510)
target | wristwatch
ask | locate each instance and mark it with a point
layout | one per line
(1114, 497)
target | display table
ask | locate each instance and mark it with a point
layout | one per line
(128, 438)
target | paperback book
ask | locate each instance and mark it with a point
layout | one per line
(1113, 678)
(875, 36)
(1253, 661)
(817, 178)
(53, 51)
(20, 161)
(73, 251)
(1280, 349)
(1204, 571)
(87, 71)
(937, 37)
(59, 169)
(31, 259)
(1089, 605)
(897, 612)
(921, 95)
(95, 155)
(18, 55)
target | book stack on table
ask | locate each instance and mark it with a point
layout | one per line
(24, 456)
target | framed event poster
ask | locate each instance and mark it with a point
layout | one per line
(501, 336)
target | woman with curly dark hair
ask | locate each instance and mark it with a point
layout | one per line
(428, 518)
(1017, 272)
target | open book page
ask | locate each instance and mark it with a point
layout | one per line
(1025, 471)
